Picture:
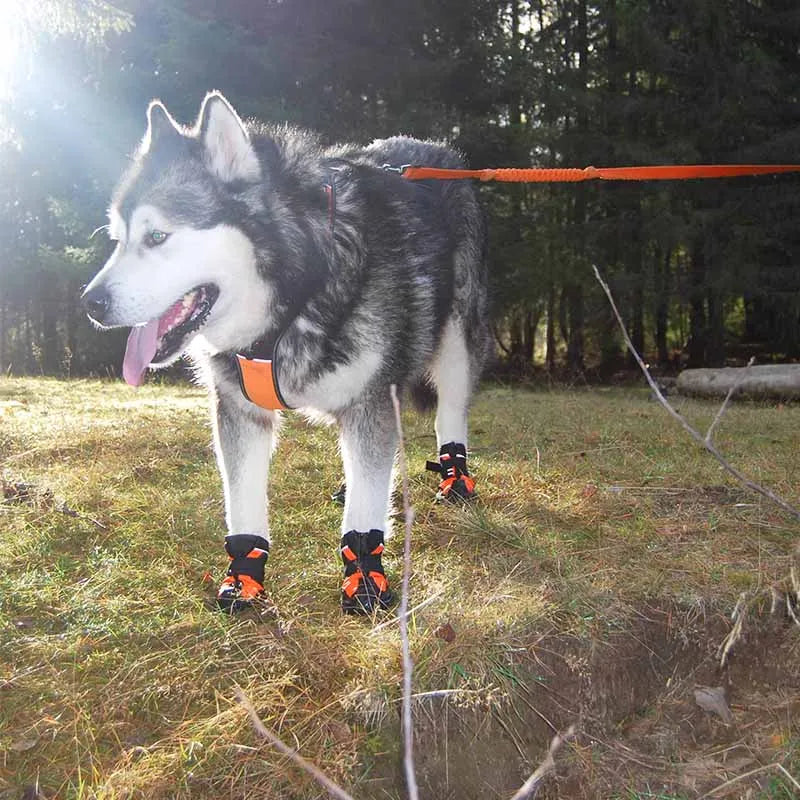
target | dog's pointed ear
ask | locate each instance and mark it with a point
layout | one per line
(160, 125)
(229, 152)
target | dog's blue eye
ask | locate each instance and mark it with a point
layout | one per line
(155, 238)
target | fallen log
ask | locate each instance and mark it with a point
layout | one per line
(779, 381)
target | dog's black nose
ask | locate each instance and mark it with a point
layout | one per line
(96, 303)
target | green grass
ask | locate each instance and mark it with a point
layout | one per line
(117, 676)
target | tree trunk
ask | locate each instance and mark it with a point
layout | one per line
(551, 328)
(697, 308)
(575, 356)
(662, 305)
(29, 360)
(531, 323)
(49, 339)
(715, 344)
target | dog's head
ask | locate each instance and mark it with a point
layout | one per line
(182, 265)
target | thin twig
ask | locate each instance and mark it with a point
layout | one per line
(545, 768)
(444, 693)
(408, 664)
(697, 436)
(790, 610)
(408, 613)
(790, 602)
(333, 789)
(744, 373)
(752, 772)
(738, 616)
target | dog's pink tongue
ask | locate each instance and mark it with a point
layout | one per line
(139, 352)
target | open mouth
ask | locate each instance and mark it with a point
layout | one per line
(163, 337)
(182, 318)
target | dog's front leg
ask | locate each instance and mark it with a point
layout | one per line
(368, 443)
(244, 437)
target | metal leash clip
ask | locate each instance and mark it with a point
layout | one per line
(399, 170)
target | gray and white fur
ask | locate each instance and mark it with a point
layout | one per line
(386, 287)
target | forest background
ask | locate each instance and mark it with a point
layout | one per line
(705, 272)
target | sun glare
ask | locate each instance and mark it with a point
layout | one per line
(11, 14)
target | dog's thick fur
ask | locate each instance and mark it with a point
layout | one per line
(385, 285)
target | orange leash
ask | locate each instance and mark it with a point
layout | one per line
(660, 173)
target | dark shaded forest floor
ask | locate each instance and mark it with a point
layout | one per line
(593, 583)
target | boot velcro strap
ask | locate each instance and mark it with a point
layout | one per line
(353, 581)
(447, 467)
(357, 545)
(351, 584)
(350, 556)
(248, 555)
(380, 580)
(240, 544)
(452, 461)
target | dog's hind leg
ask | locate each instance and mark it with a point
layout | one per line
(368, 442)
(243, 441)
(454, 377)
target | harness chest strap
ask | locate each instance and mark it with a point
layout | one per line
(258, 382)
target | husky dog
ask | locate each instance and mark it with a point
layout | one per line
(314, 277)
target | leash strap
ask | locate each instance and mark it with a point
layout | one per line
(257, 375)
(543, 175)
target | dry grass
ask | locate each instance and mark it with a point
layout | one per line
(117, 679)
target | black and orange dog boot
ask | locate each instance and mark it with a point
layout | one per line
(365, 588)
(456, 485)
(244, 581)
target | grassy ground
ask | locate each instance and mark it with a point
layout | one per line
(592, 583)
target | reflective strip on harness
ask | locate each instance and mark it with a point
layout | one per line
(258, 383)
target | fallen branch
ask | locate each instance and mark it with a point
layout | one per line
(408, 666)
(727, 399)
(545, 768)
(21, 492)
(703, 441)
(333, 788)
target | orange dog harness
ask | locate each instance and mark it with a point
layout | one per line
(259, 383)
